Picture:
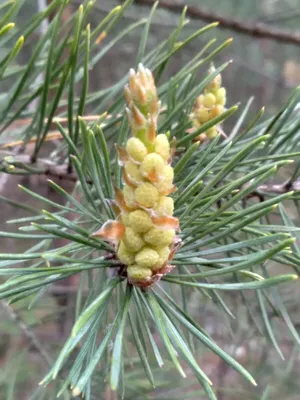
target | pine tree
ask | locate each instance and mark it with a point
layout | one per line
(169, 211)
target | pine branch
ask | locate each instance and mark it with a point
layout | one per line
(43, 167)
(224, 240)
(3, 180)
(25, 122)
(256, 30)
(281, 187)
(50, 168)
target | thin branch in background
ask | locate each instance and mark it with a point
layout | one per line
(25, 122)
(52, 134)
(42, 167)
(29, 334)
(3, 181)
(162, 23)
(258, 30)
(281, 188)
(4, 177)
(49, 168)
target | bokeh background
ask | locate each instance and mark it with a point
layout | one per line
(264, 69)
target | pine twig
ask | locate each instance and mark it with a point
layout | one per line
(280, 188)
(52, 134)
(258, 30)
(42, 167)
(49, 168)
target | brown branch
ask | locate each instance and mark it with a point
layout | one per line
(279, 188)
(29, 334)
(3, 181)
(4, 177)
(257, 29)
(49, 168)
(25, 122)
(41, 167)
(52, 134)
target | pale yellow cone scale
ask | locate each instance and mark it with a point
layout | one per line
(136, 149)
(162, 146)
(124, 255)
(129, 196)
(152, 167)
(165, 206)
(164, 253)
(146, 195)
(133, 241)
(133, 173)
(140, 221)
(147, 257)
(159, 237)
(136, 273)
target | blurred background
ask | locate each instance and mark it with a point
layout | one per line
(262, 67)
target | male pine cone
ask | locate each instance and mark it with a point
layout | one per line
(144, 233)
(209, 105)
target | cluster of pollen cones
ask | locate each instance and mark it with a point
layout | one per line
(144, 232)
(210, 104)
